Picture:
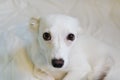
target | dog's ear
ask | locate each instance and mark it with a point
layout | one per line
(34, 24)
(79, 28)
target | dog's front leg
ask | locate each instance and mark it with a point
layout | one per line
(78, 73)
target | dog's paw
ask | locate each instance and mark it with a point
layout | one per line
(41, 75)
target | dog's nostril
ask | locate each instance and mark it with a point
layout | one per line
(57, 63)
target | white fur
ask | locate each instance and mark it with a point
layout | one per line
(85, 58)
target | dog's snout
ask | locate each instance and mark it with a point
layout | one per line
(57, 63)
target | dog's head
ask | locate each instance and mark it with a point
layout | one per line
(56, 36)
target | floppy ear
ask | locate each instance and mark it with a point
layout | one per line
(34, 24)
(79, 28)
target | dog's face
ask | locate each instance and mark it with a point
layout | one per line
(56, 36)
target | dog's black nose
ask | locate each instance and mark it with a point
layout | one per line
(57, 63)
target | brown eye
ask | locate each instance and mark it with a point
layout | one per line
(46, 36)
(71, 37)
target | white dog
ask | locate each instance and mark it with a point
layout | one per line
(62, 51)
(58, 49)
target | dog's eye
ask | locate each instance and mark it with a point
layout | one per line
(46, 36)
(71, 37)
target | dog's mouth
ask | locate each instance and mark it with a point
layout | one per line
(57, 63)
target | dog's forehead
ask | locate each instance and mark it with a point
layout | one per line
(61, 22)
